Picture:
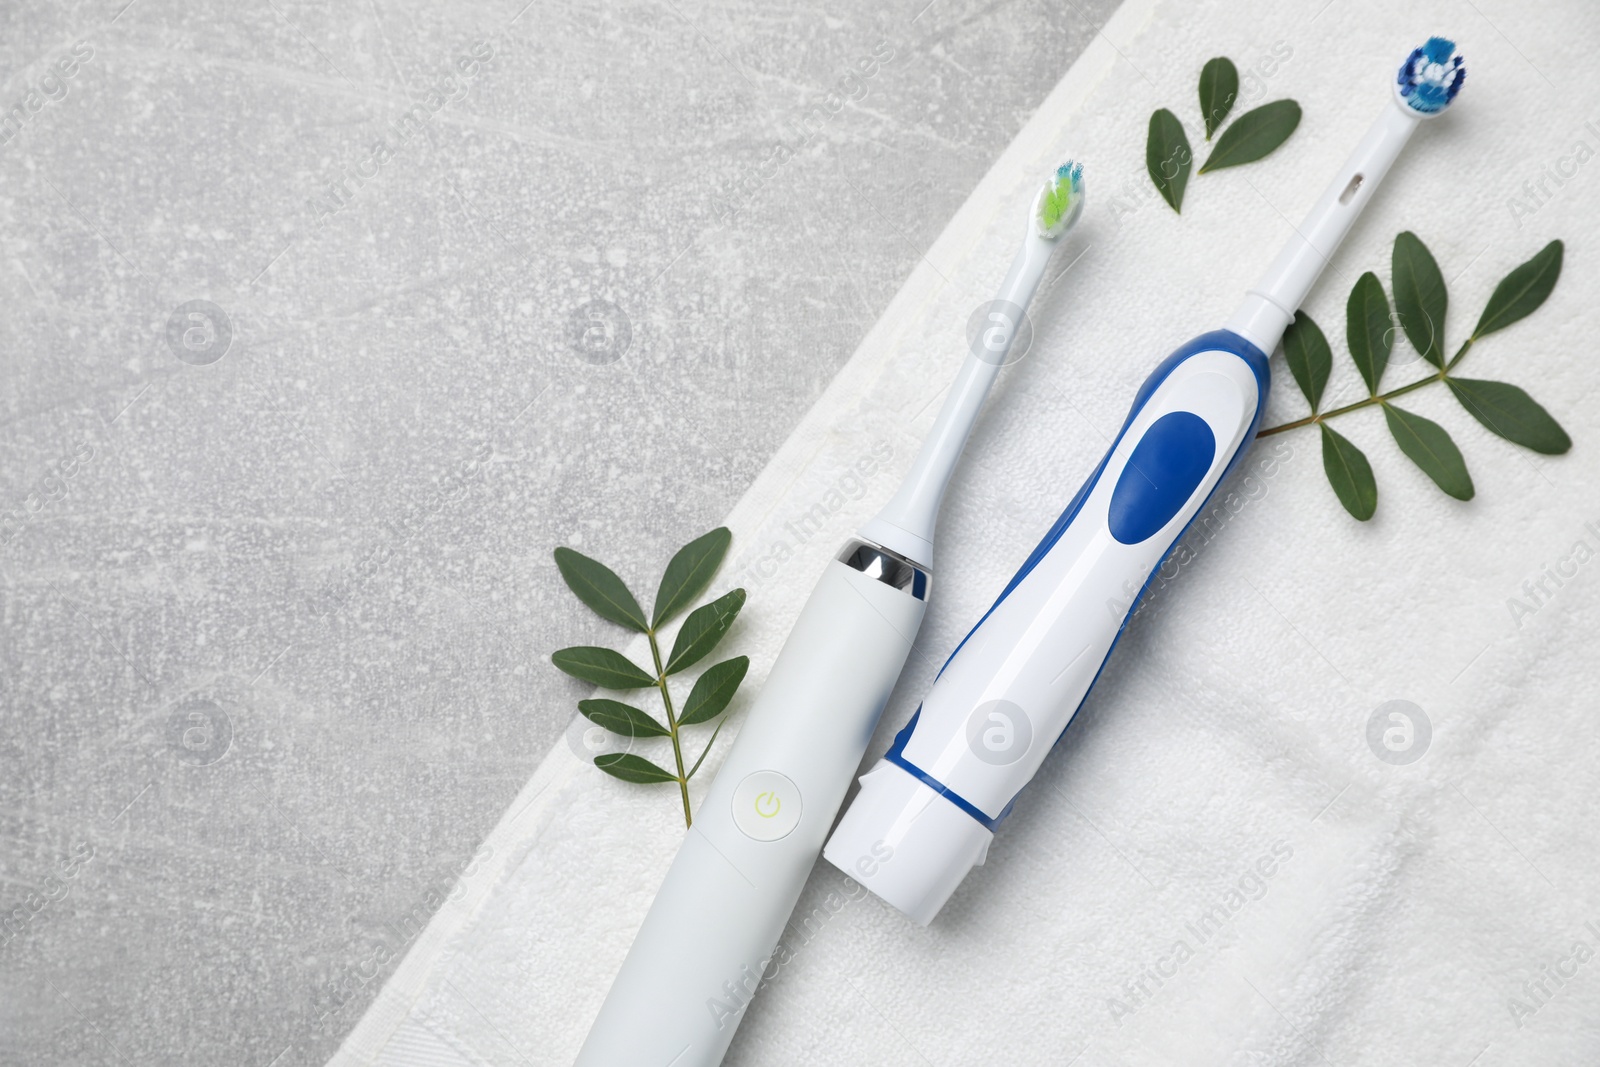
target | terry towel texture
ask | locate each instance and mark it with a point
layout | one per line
(1214, 866)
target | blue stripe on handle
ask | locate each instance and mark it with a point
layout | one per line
(897, 756)
(1215, 341)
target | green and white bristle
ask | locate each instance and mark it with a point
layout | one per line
(1060, 202)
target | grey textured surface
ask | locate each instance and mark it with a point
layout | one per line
(276, 595)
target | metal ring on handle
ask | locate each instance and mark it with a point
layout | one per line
(888, 567)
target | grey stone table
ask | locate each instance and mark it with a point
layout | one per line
(323, 324)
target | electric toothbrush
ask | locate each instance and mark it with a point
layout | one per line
(927, 811)
(712, 928)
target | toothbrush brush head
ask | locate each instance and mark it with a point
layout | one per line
(1060, 202)
(1431, 76)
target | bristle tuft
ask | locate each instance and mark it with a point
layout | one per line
(1060, 200)
(1431, 76)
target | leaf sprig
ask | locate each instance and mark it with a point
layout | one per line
(1420, 303)
(1254, 134)
(685, 578)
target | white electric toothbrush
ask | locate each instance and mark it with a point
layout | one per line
(714, 924)
(927, 811)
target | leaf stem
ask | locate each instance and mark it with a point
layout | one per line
(672, 725)
(1437, 376)
(707, 750)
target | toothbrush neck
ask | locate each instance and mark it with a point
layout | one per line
(1027, 270)
(906, 523)
(1269, 305)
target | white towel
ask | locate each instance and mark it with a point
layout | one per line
(1214, 866)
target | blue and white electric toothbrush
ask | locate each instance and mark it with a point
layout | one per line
(927, 811)
(711, 932)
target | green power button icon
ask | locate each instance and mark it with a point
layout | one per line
(768, 805)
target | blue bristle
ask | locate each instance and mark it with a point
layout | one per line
(1431, 76)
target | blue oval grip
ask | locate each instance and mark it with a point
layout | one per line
(1165, 468)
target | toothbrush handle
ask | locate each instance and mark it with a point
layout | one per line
(1035, 655)
(713, 927)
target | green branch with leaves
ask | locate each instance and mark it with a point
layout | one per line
(1420, 303)
(686, 577)
(1167, 156)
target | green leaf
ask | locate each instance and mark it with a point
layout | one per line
(1420, 298)
(1219, 86)
(621, 718)
(1254, 134)
(1349, 473)
(1430, 448)
(704, 752)
(1520, 293)
(1309, 357)
(1511, 413)
(631, 768)
(1167, 157)
(689, 573)
(701, 631)
(603, 667)
(713, 689)
(1367, 329)
(598, 586)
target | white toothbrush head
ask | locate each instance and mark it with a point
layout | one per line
(1060, 201)
(1431, 77)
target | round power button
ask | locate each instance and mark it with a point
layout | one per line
(766, 805)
